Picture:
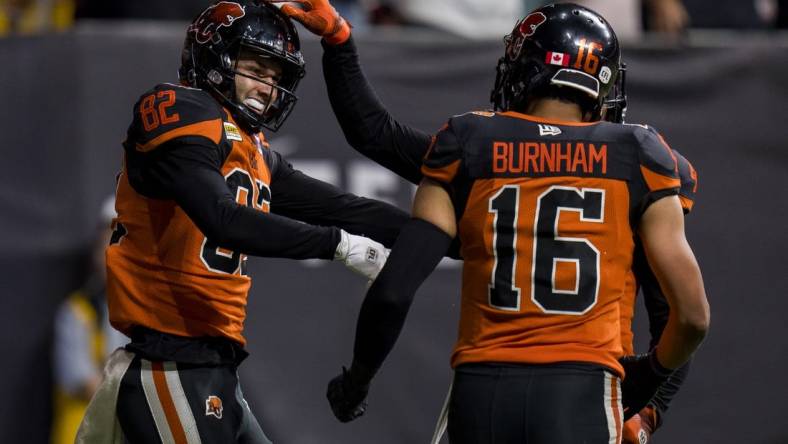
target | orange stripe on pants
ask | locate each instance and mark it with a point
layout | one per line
(167, 403)
(616, 412)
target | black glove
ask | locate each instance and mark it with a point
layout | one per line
(644, 375)
(347, 394)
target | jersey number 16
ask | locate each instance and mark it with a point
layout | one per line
(549, 249)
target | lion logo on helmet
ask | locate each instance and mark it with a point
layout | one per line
(213, 406)
(213, 18)
(529, 24)
(524, 29)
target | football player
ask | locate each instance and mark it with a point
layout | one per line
(199, 190)
(400, 148)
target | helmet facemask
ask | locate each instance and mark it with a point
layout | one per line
(222, 81)
(615, 104)
(281, 78)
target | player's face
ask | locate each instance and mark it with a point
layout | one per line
(255, 80)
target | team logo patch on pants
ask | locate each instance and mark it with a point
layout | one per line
(213, 406)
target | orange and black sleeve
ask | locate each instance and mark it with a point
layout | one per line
(443, 160)
(689, 182)
(657, 169)
(169, 111)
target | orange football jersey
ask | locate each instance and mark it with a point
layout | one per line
(162, 272)
(546, 215)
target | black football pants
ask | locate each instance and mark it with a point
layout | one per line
(534, 404)
(165, 402)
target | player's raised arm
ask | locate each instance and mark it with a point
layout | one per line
(366, 123)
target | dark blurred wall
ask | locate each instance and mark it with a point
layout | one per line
(68, 100)
(140, 9)
(724, 14)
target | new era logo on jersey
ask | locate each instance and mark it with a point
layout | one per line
(483, 113)
(213, 407)
(549, 130)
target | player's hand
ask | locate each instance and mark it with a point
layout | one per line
(644, 375)
(361, 254)
(347, 394)
(319, 17)
(639, 428)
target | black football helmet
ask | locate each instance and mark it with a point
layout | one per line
(216, 38)
(562, 50)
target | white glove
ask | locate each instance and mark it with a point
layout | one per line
(362, 255)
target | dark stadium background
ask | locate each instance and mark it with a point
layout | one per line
(66, 100)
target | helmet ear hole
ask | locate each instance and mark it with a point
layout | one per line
(215, 77)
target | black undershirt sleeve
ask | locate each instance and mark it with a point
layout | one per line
(298, 196)
(419, 248)
(667, 391)
(189, 174)
(658, 312)
(367, 125)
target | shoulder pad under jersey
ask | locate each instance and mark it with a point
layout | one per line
(169, 111)
(689, 182)
(443, 158)
(657, 161)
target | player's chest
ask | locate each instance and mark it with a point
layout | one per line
(247, 173)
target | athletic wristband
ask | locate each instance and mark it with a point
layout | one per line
(341, 35)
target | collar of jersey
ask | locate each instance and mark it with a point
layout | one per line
(259, 134)
(517, 115)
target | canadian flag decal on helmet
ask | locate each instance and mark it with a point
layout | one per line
(213, 18)
(530, 23)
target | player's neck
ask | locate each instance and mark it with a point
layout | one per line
(552, 109)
